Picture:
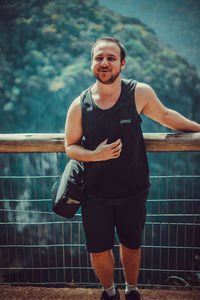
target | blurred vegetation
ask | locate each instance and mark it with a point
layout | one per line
(176, 25)
(45, 62)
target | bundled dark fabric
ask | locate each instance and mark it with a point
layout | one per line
(68, 191)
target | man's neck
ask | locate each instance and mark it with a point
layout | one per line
(107, 89)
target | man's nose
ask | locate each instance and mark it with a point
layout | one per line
(104, 62)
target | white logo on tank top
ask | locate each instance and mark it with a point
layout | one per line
(125, 121)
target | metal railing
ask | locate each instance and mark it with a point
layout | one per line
(39, 247)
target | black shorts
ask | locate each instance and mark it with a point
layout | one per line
(101, 219)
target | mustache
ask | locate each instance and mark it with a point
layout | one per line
(104, 69)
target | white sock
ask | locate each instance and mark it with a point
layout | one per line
(110, 291)
(130, 287)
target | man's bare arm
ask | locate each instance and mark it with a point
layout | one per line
(148, 103)
(73, 136)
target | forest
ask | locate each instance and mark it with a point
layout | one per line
(45, 62)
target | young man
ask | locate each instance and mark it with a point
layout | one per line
(103, 129)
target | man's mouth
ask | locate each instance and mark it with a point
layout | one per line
(104, 70)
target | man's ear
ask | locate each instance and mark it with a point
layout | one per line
(123, 63)
(91, 64)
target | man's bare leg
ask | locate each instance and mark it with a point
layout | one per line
(130, 259)
(103, 264)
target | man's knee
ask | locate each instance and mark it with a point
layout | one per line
(127, 253)
(101, 254)
(125, 248)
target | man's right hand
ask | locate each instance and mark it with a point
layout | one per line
(74, 134)
(106, 151)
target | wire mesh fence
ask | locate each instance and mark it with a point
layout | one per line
(39, 247)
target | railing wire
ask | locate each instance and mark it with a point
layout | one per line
(39, 247)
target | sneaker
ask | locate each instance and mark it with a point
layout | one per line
(133, 295)
(104, 296)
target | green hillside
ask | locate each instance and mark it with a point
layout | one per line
(45, 62)
(176, 22)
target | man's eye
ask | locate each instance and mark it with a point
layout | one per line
(98, 58)
(111, 58)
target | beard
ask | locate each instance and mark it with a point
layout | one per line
(110, 80)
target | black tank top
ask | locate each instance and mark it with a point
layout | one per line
(127, 175)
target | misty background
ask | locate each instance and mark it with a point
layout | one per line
(176, 22)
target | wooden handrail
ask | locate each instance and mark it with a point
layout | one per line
(54, 142)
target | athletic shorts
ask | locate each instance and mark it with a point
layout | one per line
(101, 219)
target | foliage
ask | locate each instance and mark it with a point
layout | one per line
(45, 62)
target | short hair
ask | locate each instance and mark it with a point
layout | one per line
(112, 40)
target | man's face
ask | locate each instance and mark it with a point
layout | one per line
(106, 63)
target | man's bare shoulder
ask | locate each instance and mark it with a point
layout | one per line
(143, 89)
(144, 94)
(75, 106)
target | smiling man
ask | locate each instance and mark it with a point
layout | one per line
(103, 129)
(103, 71)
